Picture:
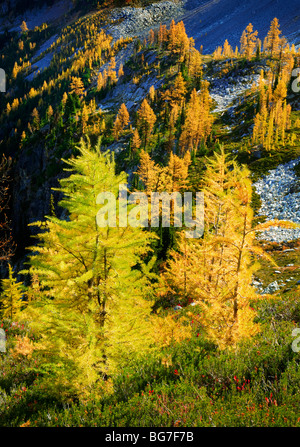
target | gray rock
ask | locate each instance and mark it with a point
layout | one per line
(271, 288)
(280, 201)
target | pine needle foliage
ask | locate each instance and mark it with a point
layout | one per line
(11, 297)
(216, 271)
(92, 310)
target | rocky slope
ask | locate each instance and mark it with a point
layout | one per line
(280, 195)
(132, 21)
(209, 23)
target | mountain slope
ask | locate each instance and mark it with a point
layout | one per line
(63, 49)
(211, 22)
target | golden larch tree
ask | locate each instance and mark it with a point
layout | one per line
(145, 121)
(248, 41)
(77, 86)
(216, 271)
(272, 40)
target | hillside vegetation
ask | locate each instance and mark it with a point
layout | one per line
(139, 325)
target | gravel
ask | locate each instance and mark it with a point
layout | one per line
(226, 91)
(138, 21)
(280, 199)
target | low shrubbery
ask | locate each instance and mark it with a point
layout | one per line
(188, 384)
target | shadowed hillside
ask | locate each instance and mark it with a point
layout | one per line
(211, 22)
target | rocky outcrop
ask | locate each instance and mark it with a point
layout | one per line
(280, 197)
(138, 21)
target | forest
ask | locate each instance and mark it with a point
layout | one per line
(141, 326)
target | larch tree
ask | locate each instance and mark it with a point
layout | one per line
(170, 178)
(273, 117)
(173, 38)
(149, 173)
(121, 121)
(173, 116)
(7, 245)
(49, 113)
(145, 121)
(198, 121)
(100, 82)
(64, 99)
(77, 86)
(123, 116)
(151, 37)
(272, 40)
(24, 27)
(217, 54)
(21, 45)
(177, 172)
(84, 117)
(216, 271)
(152, 93)
(11, 297)
(92, 309)
(117, 128)
(136, 141)
(162, 35)
(227, 49)
(178, 91)
(120, 71)
(248, 41)
(35, 119)
(195, 69)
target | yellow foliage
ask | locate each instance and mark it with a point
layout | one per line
(26, 424)
(216, 271)
(167, 361)
(171, 329)
(24, 347)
